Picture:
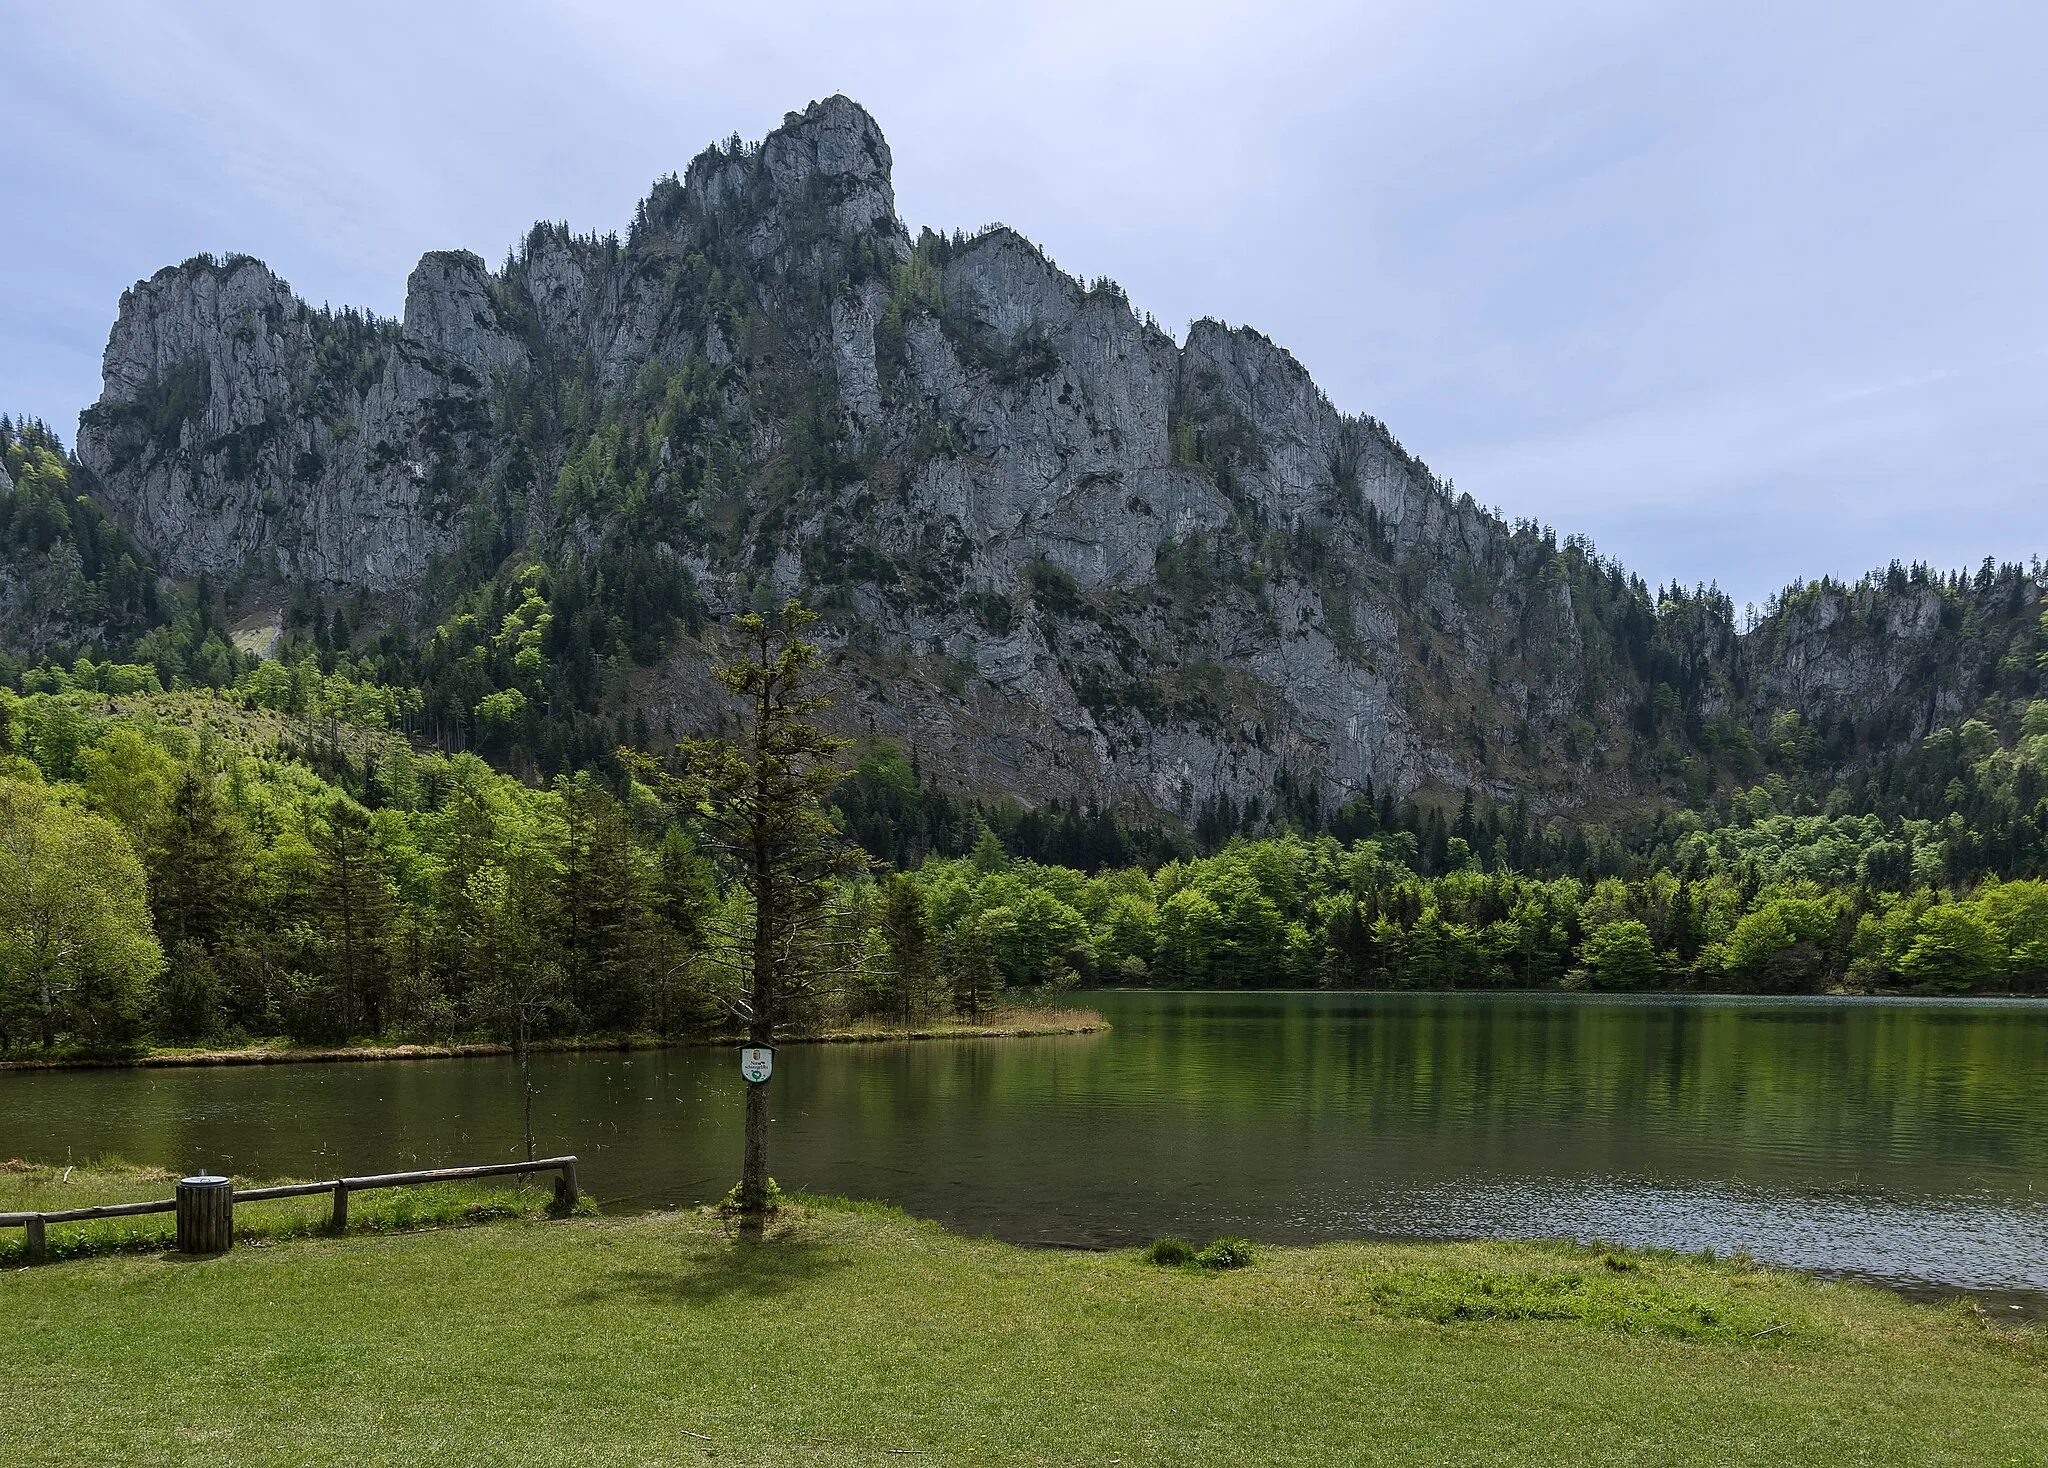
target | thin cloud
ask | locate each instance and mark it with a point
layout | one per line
(1743, 291)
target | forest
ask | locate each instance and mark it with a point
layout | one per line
(275, 858)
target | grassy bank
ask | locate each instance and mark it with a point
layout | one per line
(854, 1335)
(997, 1024)
(31, 1188)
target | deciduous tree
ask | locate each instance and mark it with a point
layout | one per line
(76, 950)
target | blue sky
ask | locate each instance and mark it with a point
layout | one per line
(1745, 292)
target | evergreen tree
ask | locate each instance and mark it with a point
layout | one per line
(987, 853)
(198, 874)
(760, 802)
(596, 902)
(971, 964)
(520, 993)
(680, 902)
(913, 980)
(353, 899)
(686, 891)
(198, 864)
(472, 846)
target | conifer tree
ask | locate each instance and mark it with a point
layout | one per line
(353, 899)
(519, 991)
(198, 873)
(597, 896)
(681, 902)
(471, 843)
(912, 945)
(760, 802)
(971, 962)
(197, 864)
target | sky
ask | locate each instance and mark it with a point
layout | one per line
(1744, 292)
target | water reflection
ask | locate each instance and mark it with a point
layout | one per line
(1901, 1141)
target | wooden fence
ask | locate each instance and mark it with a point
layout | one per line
(205, 1206)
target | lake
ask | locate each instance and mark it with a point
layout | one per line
(1900, 1141)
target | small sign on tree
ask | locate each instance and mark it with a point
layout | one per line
(757, 1062)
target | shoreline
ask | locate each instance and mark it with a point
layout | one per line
(104, 1180)
(1010, 1025)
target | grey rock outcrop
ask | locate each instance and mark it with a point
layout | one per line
(1896, 661)
(450, 312)
(241, 432)
(1061, 553)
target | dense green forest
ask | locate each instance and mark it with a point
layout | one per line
(276, 857)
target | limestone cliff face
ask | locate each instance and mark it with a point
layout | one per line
(1061, 553)
(1893, 657)
(240, 431)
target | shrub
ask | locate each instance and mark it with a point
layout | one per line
(772, 1199)
(1227, 1253)
(1170, 1252)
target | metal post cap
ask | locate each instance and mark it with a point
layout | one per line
(203, 1180)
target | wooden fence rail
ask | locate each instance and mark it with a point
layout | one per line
(37, 1224)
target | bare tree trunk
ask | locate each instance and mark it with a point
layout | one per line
(767, 985)
(760, 1031)
(754, 1164)
(526, 1083)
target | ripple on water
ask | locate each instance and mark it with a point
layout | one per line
(1962, 1243)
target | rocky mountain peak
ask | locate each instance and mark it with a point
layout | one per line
(828, 163)
(451, 309)
(221, 320)
(1059, 553)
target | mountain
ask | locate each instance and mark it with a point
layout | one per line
(1060, 554)
(68, 578)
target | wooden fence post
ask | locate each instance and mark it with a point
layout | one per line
(37, 1242)
(565, 1186)
(340, 1206)
(206, 1214)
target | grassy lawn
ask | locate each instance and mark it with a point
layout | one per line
(852, 1334)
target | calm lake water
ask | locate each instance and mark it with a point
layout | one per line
(1905, 1142)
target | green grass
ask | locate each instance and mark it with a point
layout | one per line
(25, 1188)
(851, 1334)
